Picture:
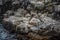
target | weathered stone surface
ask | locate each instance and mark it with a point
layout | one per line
(30, 23)
(34, 21)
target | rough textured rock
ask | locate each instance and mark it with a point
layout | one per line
(32, 21)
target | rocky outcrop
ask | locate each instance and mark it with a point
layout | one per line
(30, 23)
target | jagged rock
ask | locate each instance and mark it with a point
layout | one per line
(5, 15)
(34, 29)
(15, 2)
(11, 19)
(8, 13)
(22, 12)
(29, 8)
(34, 21)
(11, 22)
(27, 15)
(22, 28)
(33, 36)
(17, 14)
(33, 12)
(57, 8)
(25, 20)
(38, 4)
(30, 22)
(57, 29)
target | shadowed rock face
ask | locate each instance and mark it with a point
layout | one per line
(5, 35)
(29, 24)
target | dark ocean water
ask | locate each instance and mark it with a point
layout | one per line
(5, 35)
